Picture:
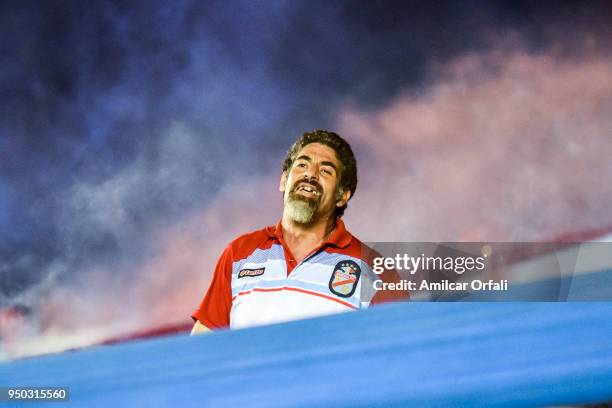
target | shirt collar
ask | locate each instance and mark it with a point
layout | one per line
(339, 237)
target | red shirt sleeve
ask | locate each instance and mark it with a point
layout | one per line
(214, 311)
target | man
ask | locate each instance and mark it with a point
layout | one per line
(308, 264)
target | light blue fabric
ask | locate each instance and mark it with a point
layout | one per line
(409, 354)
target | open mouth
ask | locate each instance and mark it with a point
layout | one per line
(308, 189)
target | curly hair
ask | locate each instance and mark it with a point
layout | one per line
(348, 170)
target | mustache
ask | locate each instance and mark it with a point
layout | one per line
(312, 183)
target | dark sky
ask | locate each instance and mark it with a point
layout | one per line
(122, 119)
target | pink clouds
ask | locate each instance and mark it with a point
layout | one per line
(163, 290)
(504, 146)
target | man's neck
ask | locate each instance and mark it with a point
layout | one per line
(303, 238)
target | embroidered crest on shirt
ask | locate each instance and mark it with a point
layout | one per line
(251, 272)
(343, 281)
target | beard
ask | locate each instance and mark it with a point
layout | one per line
(301, 209)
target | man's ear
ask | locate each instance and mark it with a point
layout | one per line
(344, 197)
(283, 182)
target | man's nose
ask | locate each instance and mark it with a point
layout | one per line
(312, 171)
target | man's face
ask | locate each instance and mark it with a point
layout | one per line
(311, 186)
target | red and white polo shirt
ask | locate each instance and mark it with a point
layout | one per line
(257, 280)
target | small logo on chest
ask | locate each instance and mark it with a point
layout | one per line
(343, 281)
(244, 273)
